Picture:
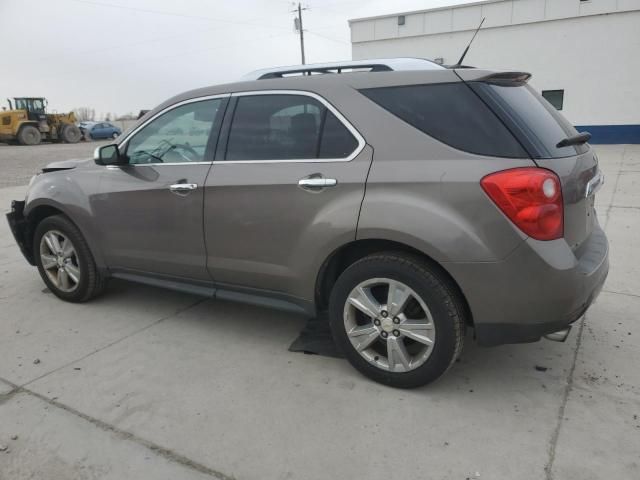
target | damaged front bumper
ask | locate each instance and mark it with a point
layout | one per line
(18, 225)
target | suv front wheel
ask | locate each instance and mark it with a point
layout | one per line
(64, 260)
(397, 319)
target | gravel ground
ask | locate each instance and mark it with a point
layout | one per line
(19, 163)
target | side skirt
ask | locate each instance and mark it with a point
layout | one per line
(233, 293)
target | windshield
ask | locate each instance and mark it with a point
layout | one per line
(30, 104)
(538, 125)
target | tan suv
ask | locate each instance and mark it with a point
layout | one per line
(410, 200)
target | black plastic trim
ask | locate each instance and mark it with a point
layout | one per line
(18, 225)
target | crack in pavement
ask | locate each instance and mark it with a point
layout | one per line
(115, 342)
(621, 293)
(630, 207)
(553, 443)
(565, 398)
(159, 450)
(156, 449)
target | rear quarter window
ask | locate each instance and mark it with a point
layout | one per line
(451, 113)
(538, 125)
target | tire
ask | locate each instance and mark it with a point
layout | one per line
(114, 135)
(70, 134)
(29, 135)
(88, 283)
(425, 336)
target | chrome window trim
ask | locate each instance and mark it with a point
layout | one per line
(323, 101)
(168, 164)
(123, 143)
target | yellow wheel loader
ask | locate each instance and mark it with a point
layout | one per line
(29, 124)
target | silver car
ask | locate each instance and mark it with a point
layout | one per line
(408, 200)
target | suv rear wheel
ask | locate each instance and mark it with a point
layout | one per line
(64, 260)
(397, 319)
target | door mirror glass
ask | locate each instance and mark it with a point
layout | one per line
(108, 155)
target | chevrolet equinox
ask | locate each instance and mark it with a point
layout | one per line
(408, 200)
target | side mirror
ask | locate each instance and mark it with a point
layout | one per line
(109, 155)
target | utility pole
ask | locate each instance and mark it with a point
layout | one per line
(298, 24)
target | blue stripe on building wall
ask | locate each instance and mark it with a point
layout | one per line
(612, 133)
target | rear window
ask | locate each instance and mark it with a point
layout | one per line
(536, 123)
(336, 141)
(451, 113)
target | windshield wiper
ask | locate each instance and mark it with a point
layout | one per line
(144, 152)
(578, 139)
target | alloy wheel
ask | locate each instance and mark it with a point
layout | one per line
(60, 261)
(389, 325)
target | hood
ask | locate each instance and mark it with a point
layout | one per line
(65, 165)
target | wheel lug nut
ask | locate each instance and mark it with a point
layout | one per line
(396, 320)
(396, 333)
(384, 314)
(376, 322)
(384, 334)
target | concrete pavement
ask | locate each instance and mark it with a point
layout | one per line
(145, 383)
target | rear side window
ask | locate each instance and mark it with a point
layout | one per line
(286, 127)
(451, 113)
(533, 119)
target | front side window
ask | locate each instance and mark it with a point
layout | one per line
(286, 127)
(180, 135)
(38, 105)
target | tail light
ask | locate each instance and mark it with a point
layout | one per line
(531, 198)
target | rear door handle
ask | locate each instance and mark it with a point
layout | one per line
(183, 188)
(317, 182)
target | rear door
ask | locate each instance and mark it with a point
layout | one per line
(285, 190)
(149, 212)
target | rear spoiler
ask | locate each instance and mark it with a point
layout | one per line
(514, 79)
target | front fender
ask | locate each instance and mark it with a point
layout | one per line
(70, 192)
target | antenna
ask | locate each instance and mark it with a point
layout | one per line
(464, 54)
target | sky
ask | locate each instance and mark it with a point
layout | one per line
(121, 56)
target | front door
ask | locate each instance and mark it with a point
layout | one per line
(149, 212)
(285, 189)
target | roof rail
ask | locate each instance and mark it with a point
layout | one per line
(372, 65)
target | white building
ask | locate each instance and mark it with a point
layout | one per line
(584, 54)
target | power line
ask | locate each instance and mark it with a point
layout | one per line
(174, 14)
(328, 38)
(179, 55)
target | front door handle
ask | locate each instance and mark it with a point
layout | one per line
(183, 188)
(316, 182)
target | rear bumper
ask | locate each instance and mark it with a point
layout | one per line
(541, 288)
(18, 226)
